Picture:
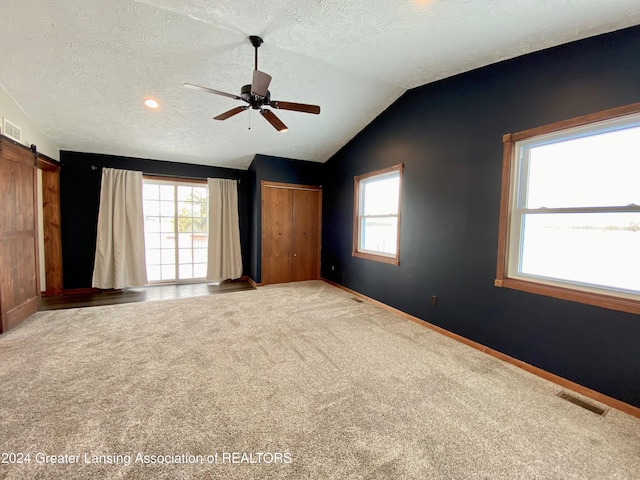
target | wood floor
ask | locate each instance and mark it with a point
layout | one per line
(141, 294)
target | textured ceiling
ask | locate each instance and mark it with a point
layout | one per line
(80, 70)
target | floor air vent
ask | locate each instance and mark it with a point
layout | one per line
(356, 299)
(581, 403)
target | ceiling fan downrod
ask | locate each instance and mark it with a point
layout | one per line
(256, 41)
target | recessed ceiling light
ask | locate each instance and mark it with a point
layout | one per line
(151, 103)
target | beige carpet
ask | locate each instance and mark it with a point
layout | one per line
(291, 381)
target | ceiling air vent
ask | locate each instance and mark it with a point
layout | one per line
(11, 130)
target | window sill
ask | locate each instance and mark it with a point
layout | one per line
(596, 299)
(377, 258)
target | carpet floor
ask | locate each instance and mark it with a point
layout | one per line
(294, 381)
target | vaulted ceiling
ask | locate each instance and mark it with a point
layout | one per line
(80, 70)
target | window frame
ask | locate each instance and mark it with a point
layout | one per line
(558, 289)
(357, 217)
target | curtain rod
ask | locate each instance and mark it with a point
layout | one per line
(181, 177)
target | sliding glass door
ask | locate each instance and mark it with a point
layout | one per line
(175, 228)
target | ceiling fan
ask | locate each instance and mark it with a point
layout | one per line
(258, 96)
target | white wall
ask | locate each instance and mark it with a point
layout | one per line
(30, 133)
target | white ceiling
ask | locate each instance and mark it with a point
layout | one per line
(80, 69)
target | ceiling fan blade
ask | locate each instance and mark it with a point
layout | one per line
(260, 83)
(211, 90)
(231, 113)
(296, 107)
(273, 120)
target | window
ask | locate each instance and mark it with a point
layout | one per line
(376, 229)
(175, 230)
(570, 213)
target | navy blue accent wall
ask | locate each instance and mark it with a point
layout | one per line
(274, 169)
(449, 134)
(80, 199)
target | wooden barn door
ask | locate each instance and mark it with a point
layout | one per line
(19, 268)
(291, 217)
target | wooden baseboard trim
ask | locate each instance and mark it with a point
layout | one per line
(560, 381)
(73, 291)
(253, 283)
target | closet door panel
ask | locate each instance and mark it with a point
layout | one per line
(305, 235)
(276, 235)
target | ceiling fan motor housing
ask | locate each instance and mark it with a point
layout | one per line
(255, 40)
(255, 101)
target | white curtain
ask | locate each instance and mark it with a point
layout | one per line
(224, 256)
(120, 257)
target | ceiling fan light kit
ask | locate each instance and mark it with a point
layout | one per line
(258, 96)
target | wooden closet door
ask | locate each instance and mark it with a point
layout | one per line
(305, 214)
(276, 235)
(19, 269)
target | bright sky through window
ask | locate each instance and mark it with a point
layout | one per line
(597, 170)
(381, 196)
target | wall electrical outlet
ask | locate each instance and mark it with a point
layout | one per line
(434, 300)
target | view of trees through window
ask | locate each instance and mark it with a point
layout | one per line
(176, 225)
